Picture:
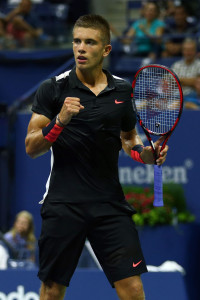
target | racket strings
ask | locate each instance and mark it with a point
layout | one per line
(157, 99)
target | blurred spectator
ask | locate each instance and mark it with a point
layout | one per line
(23, 25)
(144, 34)
(21, 237)
(6, 41)
(188, 68)
(2, 27)
(176, 30)
(168, 9)
(192, 100)
(3, 257)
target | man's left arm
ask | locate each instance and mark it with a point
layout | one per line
(131, 142)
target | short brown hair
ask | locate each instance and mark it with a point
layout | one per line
(95, 22)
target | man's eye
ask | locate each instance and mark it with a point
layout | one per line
(76, 41)
(90, 42)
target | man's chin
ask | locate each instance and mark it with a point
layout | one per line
(82, 66)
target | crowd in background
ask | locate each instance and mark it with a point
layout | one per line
(158, 30)
(168, 29)
(37, 23)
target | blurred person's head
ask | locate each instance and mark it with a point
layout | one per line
(180, 15)
(26, 6)
(170, 8)
(189, 50)
(151, 11)
(23, 225)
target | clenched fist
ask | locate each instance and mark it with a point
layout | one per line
(71, 107)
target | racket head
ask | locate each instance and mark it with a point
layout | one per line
(157, 99)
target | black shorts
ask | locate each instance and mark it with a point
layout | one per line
(108, 227)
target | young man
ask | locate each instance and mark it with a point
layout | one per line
(85, 116)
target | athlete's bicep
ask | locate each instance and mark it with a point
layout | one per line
(37, 122)
(35, 143)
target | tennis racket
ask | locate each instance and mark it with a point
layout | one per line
(158, 102)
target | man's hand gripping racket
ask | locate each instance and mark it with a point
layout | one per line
(158, 102)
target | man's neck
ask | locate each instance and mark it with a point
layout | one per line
(95, 80)
(91, 77)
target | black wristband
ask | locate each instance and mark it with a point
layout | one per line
(49, 127)
(58, 119)
(138, 148)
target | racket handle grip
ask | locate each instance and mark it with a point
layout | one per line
(158, 186)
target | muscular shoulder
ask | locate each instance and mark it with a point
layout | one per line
(53, 85)
(46, 100)
(122, 84)
(63, 76)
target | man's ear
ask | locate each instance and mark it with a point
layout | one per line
(107, 50)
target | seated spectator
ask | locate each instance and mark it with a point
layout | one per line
(22, 24)
(176, 30)
(144, 33)
(188, 68)
(6, 41)
(192, 100)
(21, 237)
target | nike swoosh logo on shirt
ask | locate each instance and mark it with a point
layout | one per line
(135, 265)
(118, 102)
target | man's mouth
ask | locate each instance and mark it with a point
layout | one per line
(81, 58)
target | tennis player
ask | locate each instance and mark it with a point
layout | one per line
(85, 116)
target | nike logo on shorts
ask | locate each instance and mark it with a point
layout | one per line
(135, 265)
(118, 102)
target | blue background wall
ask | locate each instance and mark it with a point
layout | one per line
(21, 70)
(90, 285)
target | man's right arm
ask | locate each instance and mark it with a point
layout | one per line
(35, 142)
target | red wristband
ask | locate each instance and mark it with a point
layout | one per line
(52, 131)
(135, 153)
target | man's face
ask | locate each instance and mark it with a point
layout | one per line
(180, 16)
(88, 47)
(189, 51)
(22, 225)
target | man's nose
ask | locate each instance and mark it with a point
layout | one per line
(81, 48)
